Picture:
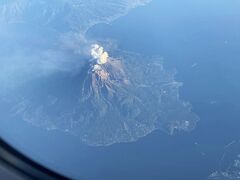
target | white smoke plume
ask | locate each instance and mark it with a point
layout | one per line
(98, 53)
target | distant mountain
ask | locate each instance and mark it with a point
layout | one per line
(120, 101)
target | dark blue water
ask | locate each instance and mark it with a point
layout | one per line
(201, 41)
